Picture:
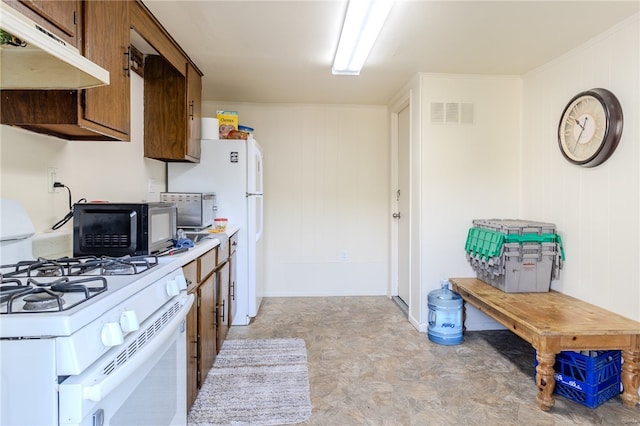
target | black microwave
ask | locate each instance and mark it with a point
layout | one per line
(120, 229)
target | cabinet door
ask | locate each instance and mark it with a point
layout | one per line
(192, 355)
(164, 110)
(233, 274)
(106, 42)
(207, 347)
(172, 111)
(194, 113)
(59, 17)
(222, 281)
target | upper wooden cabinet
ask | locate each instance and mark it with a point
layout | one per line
(62, 18)
(102, 30)
(107, 44)
(101, 113)
(172, 93)
(194, 112)
(172, 111)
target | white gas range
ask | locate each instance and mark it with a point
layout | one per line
(93, 341)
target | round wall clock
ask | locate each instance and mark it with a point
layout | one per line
(590, 127)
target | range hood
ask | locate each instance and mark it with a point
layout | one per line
(42, 61)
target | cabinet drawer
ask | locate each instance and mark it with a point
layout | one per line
(233, 243)
(190, 271)
(207, 263)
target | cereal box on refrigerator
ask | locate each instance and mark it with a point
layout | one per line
(227, 122)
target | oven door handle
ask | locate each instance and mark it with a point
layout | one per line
(100, 390)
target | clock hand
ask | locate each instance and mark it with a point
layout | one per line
(578, 123)
(580, 134)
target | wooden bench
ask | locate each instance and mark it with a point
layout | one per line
(553, 322)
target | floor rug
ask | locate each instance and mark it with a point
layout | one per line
(255, 382)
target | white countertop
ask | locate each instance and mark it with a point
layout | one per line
(53, 245)
(211, 241)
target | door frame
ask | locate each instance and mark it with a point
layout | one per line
(409, 97)
(401, 102)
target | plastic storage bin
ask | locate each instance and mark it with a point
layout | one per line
(590, 379)
(515, 256)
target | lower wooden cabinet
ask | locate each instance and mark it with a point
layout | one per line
(209, 278)
(192, 354)
(222, 284)
(207, 327)
(233, 275)
(202, 335)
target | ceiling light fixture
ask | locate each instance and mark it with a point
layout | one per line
(362, 24)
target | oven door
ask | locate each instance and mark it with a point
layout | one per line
(141, 382)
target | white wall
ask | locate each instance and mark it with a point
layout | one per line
(467, 171)
(508, 165)
(597, 210)
(114, 171)
(327, 179)
(326, 190)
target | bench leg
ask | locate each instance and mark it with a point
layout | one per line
(545, 379)
(630, 378)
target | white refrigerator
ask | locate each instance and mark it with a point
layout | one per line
(233, 170)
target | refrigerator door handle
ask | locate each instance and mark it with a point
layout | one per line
(259, 233)
(260, 218)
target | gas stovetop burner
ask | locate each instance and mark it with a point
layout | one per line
(122, 265)
(41, 267)
(50, 271)
(118, 268)
(35, 295)
(44, 300)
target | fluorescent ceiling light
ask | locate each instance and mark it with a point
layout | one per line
(362, 24)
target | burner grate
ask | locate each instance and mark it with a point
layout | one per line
(76, 266)
(40, 297)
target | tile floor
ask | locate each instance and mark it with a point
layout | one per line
(369, 366)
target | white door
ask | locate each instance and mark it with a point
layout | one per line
(402, 196)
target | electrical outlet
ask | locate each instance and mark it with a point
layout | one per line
(52, 177)
(344, 256)
(151, 186)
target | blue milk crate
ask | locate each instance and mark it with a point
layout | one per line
(588, 379)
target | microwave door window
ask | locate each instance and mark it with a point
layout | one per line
(108, 229)
(160, 227)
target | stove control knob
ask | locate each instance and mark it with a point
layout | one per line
(111, 334)
(173, 289)
(182, 282)
(129, 321)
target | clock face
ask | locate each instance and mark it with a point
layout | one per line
(583, 128)
(590, 127)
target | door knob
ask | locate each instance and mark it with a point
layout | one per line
(396, 215)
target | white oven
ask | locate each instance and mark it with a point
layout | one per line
(90, 341)
(141, 384)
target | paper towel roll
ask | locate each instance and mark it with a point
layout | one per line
(210, 128)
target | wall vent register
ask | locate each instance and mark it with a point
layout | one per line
(452, 113)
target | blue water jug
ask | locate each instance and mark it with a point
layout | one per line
(445, 316)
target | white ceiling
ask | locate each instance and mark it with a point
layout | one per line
(282, 51)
